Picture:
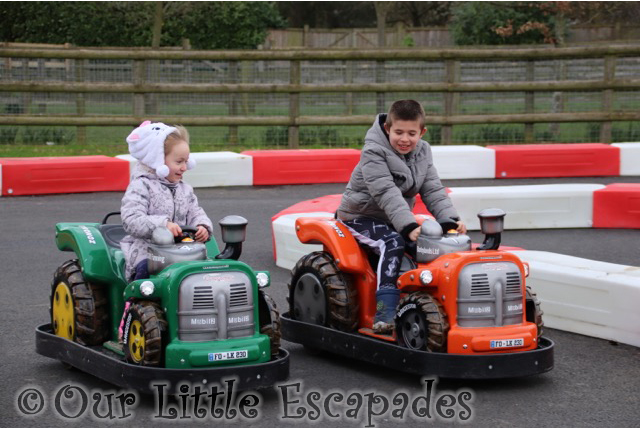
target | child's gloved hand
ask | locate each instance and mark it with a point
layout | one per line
(202, 235)
(174, 228)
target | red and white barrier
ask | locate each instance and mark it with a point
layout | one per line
(459, 162)
(282, 167)
(541, 206)
(617, 206)
(629, 158)
(586, 296)
(556, 160)
(214, 169)
(73, 174)
(273, 167)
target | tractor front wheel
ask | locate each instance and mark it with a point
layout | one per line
(78, 308)
(144, 334)
(270, 321)
(421, 323)
(534, 311)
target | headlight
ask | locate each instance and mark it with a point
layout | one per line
(426, 277)
(526, 269)
(263, 279)
(147, 288)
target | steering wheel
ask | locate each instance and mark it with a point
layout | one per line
(448, 224)
(188, 234)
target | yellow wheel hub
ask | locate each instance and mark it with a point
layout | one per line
(136, 341)
(62, 315)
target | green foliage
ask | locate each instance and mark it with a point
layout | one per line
(221, 25)
(35, 135)
(209, 25)
(8, 135)
(501, 23)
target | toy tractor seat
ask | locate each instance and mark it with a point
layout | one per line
(112, 234)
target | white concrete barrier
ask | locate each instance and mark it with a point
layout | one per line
(529, 207)
(287, 246)
(629, 158)
(214, 169)
(459, 162)
(588, 297)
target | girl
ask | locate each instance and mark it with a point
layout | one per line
(157, 196)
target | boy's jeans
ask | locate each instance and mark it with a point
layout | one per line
(380, 237)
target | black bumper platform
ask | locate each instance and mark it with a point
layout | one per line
(109, 366)
(452, 366)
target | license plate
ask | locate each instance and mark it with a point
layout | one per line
(229, 355)
(507, 343)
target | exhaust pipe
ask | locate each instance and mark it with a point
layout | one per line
(234, 232)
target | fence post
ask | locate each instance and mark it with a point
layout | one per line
(139, 73)
(529, 100)
(233, 103)
(451, 99)
(348, 78)
(294, 106)
(81, 131)
(607, 98)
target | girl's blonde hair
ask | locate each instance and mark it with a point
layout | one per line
(177, 136)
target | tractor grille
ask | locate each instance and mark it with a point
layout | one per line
(217, 305)
(202, 297)
(489, 294)
(480, 285)
(238, 294)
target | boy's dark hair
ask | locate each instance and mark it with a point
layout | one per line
(406, 110)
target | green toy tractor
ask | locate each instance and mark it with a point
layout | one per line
(201, 316)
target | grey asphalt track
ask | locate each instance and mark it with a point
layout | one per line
(594, 382)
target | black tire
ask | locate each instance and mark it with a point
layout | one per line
(534, 311)
(270, 321)
(144, 334)
(320, 294)
(84, 306)
(421, 323)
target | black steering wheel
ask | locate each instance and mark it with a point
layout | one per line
(448, 224)
(188, 232)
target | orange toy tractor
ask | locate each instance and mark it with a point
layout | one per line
(463, 313)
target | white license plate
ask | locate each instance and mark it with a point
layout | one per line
(507, 343)
(229, 355)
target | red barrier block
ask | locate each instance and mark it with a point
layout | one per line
(41, 176)
(302, 166)
(557, 160)
(617, 206)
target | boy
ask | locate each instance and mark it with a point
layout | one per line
(395, 165)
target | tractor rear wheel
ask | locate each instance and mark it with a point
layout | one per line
(270, 321)
(534, 311)
(421, 323)
(144, 334)
(78, 308)
(320, 294)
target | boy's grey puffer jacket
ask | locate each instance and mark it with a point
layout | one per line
(384, 183)
(151, 202)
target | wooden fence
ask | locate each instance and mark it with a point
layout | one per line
(451, 87)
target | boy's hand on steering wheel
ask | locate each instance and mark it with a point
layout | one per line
(174, 228)
(462, 228)
(202, 234)
(413, 235)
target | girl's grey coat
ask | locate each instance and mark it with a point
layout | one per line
(151, 202)
(384, 183)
